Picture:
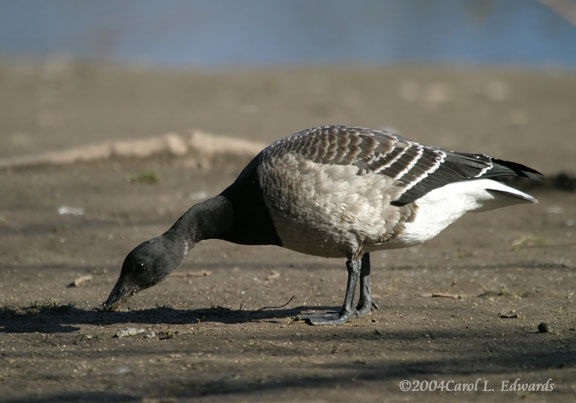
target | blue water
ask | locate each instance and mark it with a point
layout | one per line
(255, 33)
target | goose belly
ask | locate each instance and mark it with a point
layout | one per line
(328, 210)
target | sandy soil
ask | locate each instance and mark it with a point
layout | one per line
(219, 327)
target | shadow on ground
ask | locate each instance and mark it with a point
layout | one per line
(62, 318)
(490, 368)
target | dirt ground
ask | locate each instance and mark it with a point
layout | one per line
(222, 327)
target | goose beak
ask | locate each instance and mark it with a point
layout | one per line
(119, 294)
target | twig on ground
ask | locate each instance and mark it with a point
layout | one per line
(275, 307)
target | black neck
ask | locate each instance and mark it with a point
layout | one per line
(209, 219)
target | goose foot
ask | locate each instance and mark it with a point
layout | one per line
(366, 308)
(357, 270)
(326, 319)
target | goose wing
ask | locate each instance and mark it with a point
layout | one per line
(417, 169)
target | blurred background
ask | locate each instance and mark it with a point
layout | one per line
(256, 33)
(75, 72)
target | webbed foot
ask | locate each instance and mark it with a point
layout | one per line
(326, 319)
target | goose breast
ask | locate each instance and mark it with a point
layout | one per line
(322, 198)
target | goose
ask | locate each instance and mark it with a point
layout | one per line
(333, 191)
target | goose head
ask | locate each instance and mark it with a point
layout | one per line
(146, 265)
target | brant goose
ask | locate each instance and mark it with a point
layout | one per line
(333, 191)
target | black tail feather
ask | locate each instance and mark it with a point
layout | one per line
(503, 168)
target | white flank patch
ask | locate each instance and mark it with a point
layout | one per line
(442, 206)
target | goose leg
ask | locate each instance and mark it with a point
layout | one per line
(348, 311)
(366, 302)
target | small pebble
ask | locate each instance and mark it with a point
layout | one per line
(166, 335)
(67, 210)
(80, 281)
(131, 331)
(122, 370)
(508, 314)
(544, 327)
